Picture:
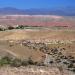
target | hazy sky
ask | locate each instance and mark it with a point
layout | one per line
(26, 4)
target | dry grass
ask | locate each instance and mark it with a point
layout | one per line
(41, 35)
(38, 34)
(33, 70)
(10, 44)
(30, 71)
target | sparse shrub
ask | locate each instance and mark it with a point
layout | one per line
(51, 62)
(35, 63)
(70, 65)
(20, 27)
(1, 29)
(11, 45)
(54, 51)
(58, 60)
(63, 57)
(16, 63)
(30, 61)
(72, 61)
(70, 57)
(63, 48)
(24, 63)
(10, 27)
(66, 63)
(5, 60)
(73, 70)
(60, 53)
(41, 64)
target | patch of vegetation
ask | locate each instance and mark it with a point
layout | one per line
(10, 28)
(56, 53)
(16, 62)
(1, 29)
(19, 27)
(24, 63)
(5, 61)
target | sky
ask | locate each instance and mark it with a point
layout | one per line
(27, 4)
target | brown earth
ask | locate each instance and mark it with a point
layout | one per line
(12, 37)
(32, 70)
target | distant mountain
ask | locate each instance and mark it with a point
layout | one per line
(10, 11)
(68, 11)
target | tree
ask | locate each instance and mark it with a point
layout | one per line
(10, 27)
(20, 27)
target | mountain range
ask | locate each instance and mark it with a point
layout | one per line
(66, 11)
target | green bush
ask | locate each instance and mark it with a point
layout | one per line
(5, 60)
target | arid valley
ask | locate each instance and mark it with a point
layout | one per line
(37, 37)
(31, 48)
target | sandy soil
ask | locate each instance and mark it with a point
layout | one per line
(32, 71)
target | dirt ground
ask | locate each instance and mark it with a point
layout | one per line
(32, 70)
(11, 43)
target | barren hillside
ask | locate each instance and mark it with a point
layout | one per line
(37, 20)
